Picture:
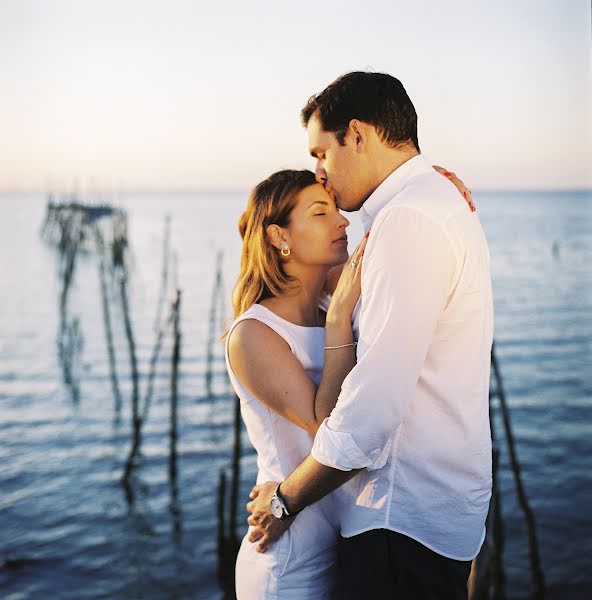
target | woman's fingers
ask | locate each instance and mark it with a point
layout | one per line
(460, 185)
(356, 259)
(357, 253)
(348, 288)
(360, 247)
(255, 535)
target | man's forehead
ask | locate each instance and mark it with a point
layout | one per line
(316, 134)
(313, 126)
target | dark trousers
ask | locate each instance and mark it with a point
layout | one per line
(381, 564)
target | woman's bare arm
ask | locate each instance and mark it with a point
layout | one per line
(263, 361)
(265, 365)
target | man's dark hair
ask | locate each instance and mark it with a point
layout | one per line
(375, 98)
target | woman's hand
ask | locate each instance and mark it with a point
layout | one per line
(462, 188)
(348, 288)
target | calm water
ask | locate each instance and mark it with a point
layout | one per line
(66, 530)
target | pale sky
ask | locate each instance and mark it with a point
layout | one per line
(183, 94)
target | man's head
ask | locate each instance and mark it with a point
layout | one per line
(358, 126)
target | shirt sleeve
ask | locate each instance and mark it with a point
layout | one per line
(408, 270)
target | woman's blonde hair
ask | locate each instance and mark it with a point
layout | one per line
(262, 274)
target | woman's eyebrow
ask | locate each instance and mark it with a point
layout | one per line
(318, 202)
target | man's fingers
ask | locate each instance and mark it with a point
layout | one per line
(262, 546)
(251, 520)
(255, 492)
(249, 507)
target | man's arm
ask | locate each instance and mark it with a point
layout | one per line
(307, 484)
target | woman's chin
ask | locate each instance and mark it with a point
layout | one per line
(339, 260)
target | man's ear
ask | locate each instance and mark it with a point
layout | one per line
(276, 236)
(359, 133)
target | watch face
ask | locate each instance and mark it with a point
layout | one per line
(276, 508)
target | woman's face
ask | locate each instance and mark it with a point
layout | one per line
(316, 233)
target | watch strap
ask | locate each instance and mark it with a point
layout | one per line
(287, 514)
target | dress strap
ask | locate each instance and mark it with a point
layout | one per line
(267, 317)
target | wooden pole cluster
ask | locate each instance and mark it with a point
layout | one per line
(65, 226)
(74, 227)
(139, 417)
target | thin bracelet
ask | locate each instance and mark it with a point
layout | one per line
(354, 344)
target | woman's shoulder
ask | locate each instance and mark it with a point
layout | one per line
(254, 347)
(255, 331)
(251, 330)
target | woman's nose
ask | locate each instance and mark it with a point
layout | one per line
(343, 222)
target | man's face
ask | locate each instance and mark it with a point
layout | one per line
(340, 169)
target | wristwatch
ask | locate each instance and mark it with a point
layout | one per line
(278, 506)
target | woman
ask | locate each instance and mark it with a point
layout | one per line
(287, 359)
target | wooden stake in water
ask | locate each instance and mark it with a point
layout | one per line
(166, 250)
(228, 544)
(535, 563)
(175, 511)
(216, 319)
(107, 322)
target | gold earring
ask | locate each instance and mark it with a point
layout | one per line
(285, 250)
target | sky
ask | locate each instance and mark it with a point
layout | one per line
(185, 94)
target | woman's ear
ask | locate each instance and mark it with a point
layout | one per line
(276, 236)
(359, 135)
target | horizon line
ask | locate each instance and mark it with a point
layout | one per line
(241, 190)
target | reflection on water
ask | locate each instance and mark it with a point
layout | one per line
(67, 528)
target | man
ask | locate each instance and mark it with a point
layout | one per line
(411, 425)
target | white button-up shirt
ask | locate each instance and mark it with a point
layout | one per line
(413, 412)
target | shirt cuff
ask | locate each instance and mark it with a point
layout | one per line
(338, 449)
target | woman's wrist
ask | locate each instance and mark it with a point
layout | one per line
(338, 325)
(338, 318)
(338, 335)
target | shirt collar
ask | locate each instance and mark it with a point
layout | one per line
(390, 187)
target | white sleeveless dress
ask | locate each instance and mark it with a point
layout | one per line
(302, 564)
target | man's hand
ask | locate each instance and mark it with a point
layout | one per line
(266, 528)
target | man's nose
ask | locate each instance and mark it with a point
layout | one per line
(320, 175)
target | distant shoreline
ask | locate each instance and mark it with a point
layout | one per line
(187, 191)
